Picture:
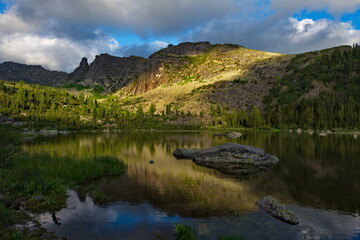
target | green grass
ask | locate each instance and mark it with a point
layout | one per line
(39, 175)
(184, 232)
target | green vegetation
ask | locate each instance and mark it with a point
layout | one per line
(337, 72)
(39, 182)
(185, 233)
(241, 80)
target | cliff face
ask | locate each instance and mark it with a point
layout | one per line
(107, 71)
(138, 75)
(34, 74)
(80, 72)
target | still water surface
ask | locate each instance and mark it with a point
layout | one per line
(317, 177)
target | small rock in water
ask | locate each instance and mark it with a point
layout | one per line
(272, 206)
(229, 134)
(151, 161)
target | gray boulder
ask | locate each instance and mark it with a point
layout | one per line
(277, 210)
(183, 153)
(230, 158)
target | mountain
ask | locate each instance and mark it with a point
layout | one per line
(186, 74)
(34, 74)
(207, 85)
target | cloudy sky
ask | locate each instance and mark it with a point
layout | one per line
(58, 33)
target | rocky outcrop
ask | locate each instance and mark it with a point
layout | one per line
(5, 119)
(33, 74)
(231, 158)
(183, 153)
(80, 72)
(277, 210)
(185, 49)
(109, 72)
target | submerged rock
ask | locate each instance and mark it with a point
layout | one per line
(229, 134)
(272, 206)
(230, 158)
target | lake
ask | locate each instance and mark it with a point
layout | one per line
(317, 177)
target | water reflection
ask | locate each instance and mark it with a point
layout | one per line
(314, 171)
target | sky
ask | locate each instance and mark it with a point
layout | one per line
(57, 34)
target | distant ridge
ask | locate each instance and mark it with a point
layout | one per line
(34, 74)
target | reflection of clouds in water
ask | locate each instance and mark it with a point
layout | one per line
(85, 220)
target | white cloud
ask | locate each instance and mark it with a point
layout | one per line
(52, 53)
(286, 36)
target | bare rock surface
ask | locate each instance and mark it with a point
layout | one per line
(272, 206)
(230, 158)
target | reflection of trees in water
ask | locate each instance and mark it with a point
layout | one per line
(313, 170)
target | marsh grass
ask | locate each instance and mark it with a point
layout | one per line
(41, 175)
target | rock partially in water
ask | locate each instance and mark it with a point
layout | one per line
(230, 158)
(183, 153)
(272, 206)
(48, 132)
(229, 134)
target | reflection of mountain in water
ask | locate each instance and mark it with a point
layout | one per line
(313, 171)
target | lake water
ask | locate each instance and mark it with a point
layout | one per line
(317, 177)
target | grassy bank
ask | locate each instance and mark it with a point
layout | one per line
(38, 183)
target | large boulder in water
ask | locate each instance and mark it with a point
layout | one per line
(274, 208)
(231, 158)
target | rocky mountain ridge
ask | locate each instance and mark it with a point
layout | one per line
(34, 74)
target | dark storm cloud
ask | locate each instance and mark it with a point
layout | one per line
(151, 17)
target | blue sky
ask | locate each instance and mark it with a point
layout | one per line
(57, 34)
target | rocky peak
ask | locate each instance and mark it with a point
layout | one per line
(80, 72)
(186, 48)
(84, 62)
